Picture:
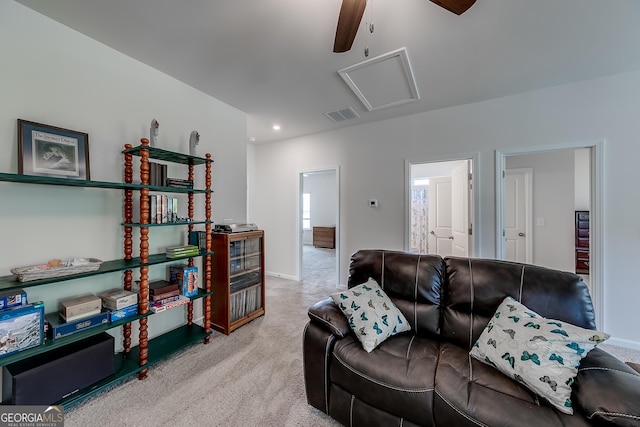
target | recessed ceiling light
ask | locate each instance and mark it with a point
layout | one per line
(276, 127)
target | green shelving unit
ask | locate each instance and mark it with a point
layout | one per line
(49, 344)
(169, 156)
(129, 362)
(66, 182)
(10, 282)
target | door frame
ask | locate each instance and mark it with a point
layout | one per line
(300, 231)
(473, 157)
(596, 219)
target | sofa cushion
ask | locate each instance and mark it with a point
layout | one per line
(620, 404)
(396, 378)
(471, 393)
(413, 281)
(371, 314)
(475, 288)
(544, 354)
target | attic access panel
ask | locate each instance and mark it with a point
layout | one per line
(384, 81)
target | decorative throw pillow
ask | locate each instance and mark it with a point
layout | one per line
(371, 313)
(543, 354)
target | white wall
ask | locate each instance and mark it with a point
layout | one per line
(582, 179)
(371, 158)
(53, 75)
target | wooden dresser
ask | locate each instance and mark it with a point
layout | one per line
(324, 237)
(582, 242)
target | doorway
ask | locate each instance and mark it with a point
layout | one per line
(562, 180)
(318, 225)
(439, 207)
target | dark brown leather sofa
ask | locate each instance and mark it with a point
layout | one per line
(426, 377)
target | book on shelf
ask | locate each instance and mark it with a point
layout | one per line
(162, 209)
(199, 239)
(157, 174)
(182, 254)
(179, 183)
(153, 207)
(164, 218)
(182, 251)
(181, 248)
(152, 172)
(172, 209)
(158, 208)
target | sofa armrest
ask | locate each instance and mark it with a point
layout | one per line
(607, 390)
(327, 315)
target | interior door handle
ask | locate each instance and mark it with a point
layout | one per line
(433, 233)
(521, 234)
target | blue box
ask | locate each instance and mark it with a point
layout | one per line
(58, 328)
(124, 312)
(186, 277)
(21, 327)
(12, 298)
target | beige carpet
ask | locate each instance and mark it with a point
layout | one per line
(253, 377)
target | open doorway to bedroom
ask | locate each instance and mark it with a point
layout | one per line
(319, 213)
(440, 207)
(549, 210)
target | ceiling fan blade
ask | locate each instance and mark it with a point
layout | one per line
(348, 22)
(456, 6)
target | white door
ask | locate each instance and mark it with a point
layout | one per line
(517, 215)
(440, 224)
(460, 185)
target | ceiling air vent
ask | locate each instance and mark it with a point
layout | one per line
(342, 115)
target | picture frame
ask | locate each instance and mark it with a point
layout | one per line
(45, 150)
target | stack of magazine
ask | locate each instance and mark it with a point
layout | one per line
(181, 251)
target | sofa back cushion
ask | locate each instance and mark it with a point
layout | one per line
(412, 281)
(476, 287)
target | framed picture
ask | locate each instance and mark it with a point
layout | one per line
(45, 150)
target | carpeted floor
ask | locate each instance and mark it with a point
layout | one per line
(252, 377)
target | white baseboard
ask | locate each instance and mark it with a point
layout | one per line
(633, 345)
(282, 276)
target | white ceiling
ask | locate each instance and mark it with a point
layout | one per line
(273, 59)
